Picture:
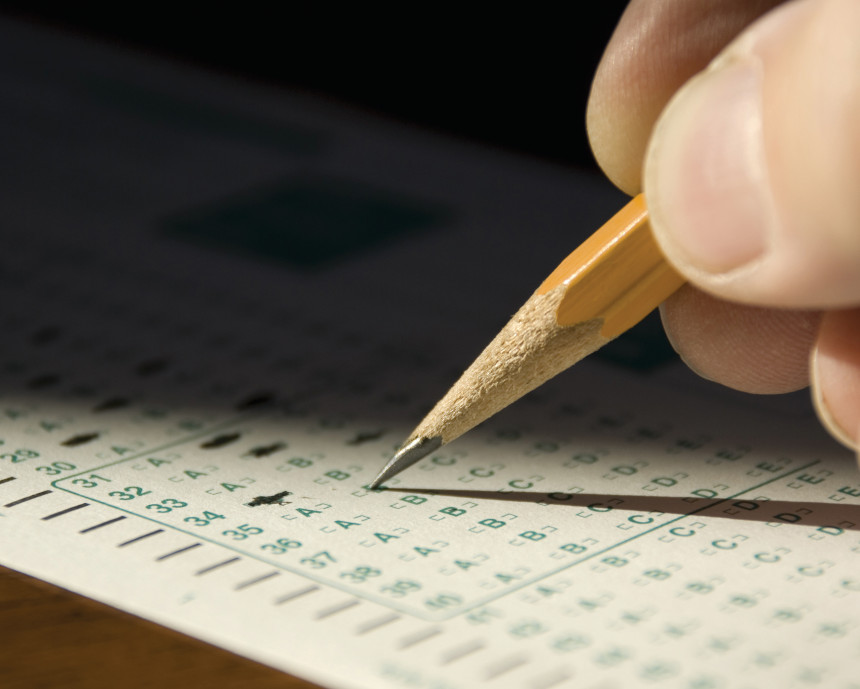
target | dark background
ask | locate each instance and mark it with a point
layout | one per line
(515, 79)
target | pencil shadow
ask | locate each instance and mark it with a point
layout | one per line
(819, 514)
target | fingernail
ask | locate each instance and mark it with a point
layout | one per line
(822, 409)
(705, 173)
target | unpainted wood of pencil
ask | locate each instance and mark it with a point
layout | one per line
(607, 285)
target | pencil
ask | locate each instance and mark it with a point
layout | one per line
(606, 286)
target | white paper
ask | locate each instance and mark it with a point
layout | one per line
(616, 528)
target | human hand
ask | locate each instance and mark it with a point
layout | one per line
(752, 176)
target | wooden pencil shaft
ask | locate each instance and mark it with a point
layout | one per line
(526, 353)
(594, 249)
(618, 274)
(608, 284)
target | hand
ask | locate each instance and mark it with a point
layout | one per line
(752, 176)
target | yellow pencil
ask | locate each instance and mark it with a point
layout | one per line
(606, 286)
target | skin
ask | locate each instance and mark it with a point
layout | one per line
(740, 120)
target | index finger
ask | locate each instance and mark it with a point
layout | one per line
(657, 46)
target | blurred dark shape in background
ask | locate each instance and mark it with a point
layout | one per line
(516, 79)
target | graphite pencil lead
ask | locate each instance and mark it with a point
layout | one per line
(405, 457)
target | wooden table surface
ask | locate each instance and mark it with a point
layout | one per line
(51, 638)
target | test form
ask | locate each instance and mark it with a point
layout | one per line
(223, 307)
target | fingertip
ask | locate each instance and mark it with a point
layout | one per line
(756, 350)
(656, 47)
(835, 376)
(617, 146)
(706, 177)
(618, 114)
(745, 200)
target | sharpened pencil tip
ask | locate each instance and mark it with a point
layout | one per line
(405, 457)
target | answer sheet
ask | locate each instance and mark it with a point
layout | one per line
(224, 307)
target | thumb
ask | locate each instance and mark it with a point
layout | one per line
(753, 171)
